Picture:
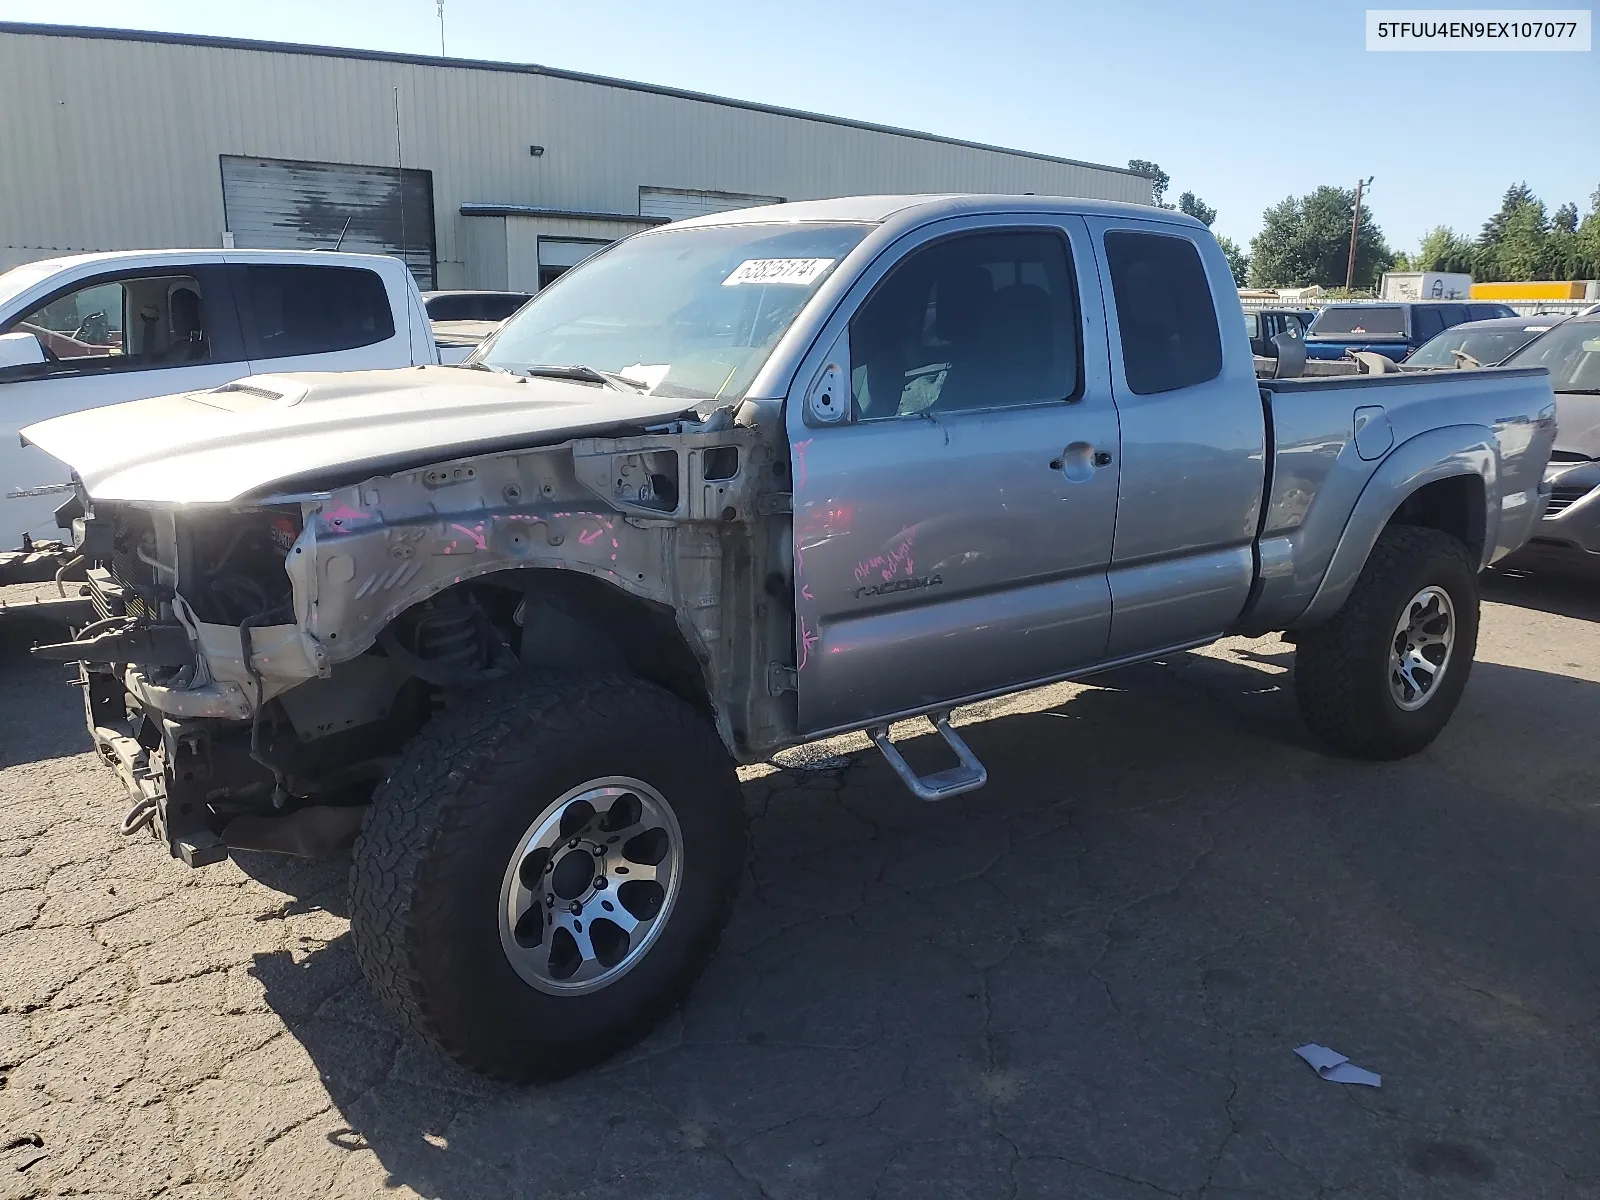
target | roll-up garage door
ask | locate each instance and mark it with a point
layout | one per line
(279, 204)
(676, 203)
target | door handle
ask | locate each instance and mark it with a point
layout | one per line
(1078, 462)
(1076, 451)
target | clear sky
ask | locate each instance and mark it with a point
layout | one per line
(1242, 103)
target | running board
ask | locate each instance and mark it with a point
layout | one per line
(940, 785)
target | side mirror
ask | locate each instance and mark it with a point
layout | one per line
(1290, 352)
(20, 350)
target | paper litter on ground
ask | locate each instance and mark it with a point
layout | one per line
(1335, 1067)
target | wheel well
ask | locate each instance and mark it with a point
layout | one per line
(569, 621)
(1457, 506)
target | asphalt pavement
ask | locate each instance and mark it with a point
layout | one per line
(1086, 980)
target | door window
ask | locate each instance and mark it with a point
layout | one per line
(1426, 322)
(1168, 323)
(124, 324)
(291, 311)
(980, 321)
(1453, 314)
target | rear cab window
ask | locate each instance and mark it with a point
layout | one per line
(293, 311)
(1362, 320)
(1167, 321)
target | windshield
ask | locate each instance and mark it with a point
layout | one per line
(1369, 320)
(683, 312)
(1488, 346)
(1571, 351)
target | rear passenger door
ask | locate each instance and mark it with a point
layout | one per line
(1193, 437)
(304, 317)
(952, 525)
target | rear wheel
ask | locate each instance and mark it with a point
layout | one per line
(1382, 678)
(547, 872)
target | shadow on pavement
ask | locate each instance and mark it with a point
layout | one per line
(43, 717)
(1087, 979)
(1569, 595)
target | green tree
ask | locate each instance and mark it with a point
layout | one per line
(1238, 260)
(1563, 254)
(1523, 252)
(1587, 242)
(1306, 240)
(1443, 249)
(1159, 179)
(1197, 208)
(1494, 229)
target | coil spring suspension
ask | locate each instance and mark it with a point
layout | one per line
(453, 643)
(452, 637)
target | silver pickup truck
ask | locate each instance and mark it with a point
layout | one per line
(735, 484)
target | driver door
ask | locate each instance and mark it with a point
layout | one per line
(953, 527)
(108, 338)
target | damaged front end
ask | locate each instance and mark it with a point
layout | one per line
(255, 668)
(173, 703)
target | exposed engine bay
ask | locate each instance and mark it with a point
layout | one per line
(255, 668)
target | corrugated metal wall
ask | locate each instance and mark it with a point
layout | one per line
(676, 204)
(115, 143)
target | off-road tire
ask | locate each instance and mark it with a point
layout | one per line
(428, 867)
(1341, 668)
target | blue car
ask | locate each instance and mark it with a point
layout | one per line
(1391, 328)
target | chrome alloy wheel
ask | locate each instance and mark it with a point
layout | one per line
(590, 885)
(1420, 652)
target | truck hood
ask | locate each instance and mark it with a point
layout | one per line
(270, 431)
(1578, 424)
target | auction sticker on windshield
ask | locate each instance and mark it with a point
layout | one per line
(801, 271)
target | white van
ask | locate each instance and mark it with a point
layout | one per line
(96, 329)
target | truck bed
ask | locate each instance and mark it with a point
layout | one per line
(1330, 438)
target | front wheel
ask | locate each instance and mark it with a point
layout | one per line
(1382, 678)
(547, 871)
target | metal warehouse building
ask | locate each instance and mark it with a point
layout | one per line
(483, 174)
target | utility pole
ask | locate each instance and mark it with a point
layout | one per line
(441, 28)
(1355, 224)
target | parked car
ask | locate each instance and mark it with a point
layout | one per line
(1263, 324)
(462, 319)
(483, 305)
(96, 329)
(1479, 343)
(1393, 330)
(741, 482)
(458, 339)
(1568, 536)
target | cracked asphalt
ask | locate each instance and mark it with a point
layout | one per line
(1086, 980)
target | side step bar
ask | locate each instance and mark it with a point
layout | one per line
(940, 785)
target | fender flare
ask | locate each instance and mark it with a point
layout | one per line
(1438, 454)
